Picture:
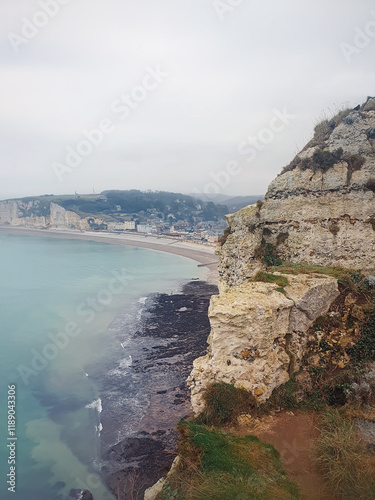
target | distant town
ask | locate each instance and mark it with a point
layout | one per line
(156, 213)
(149, 222)
(153, 221)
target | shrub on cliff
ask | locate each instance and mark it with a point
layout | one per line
(355, 162)
(224, 403)
(370, 185)
(267, 253)
(223, 238)
(324, 160)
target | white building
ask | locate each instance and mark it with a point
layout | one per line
(144, 228)
(128, 225)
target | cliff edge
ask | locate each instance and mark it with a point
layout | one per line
(292, 328)
(320, 211)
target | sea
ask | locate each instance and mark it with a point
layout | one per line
(69, 309)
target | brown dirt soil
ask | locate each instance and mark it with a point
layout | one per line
(293, 435)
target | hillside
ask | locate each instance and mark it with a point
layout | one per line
(110, 203)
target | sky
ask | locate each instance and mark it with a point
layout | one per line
(192, 96)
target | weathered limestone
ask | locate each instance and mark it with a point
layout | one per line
(312, 295)
(325, 218)
(256, 331)
(16, 213)
(65, 219)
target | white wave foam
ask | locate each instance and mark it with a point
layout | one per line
(122, 368)
(125, 363)
(115, 373)
(96, 405)
(99, 428)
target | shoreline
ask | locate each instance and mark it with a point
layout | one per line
(203, 254)
(172, 332)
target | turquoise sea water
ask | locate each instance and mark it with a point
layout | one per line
(60, 302)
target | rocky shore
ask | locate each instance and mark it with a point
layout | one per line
(173, 332)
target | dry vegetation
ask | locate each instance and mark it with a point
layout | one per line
(347, 465)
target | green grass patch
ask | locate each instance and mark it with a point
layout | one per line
(267, 253)
(264, 277)
(343, 276)
(224, 403)
(347, 466)
(228, 467)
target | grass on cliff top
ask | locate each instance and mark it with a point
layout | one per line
(216, 465)
(264, 277)
(224, 403)
(341, 274)
(347, 466)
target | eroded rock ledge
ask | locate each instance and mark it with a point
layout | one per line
(258, 334)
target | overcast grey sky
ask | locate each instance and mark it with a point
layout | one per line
(219, 72)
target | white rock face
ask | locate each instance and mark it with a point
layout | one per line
(326, 218)
(39, 215)
(255, 329)
(315, 213)
(64, 219)
(17, 213)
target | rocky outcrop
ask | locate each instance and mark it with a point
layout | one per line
(320, 210)
(80, 495)
(258, 334)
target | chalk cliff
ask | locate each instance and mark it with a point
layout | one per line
(65, 219)
(40, 215)
(321, 211)
(18, 213)
(258, 334)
